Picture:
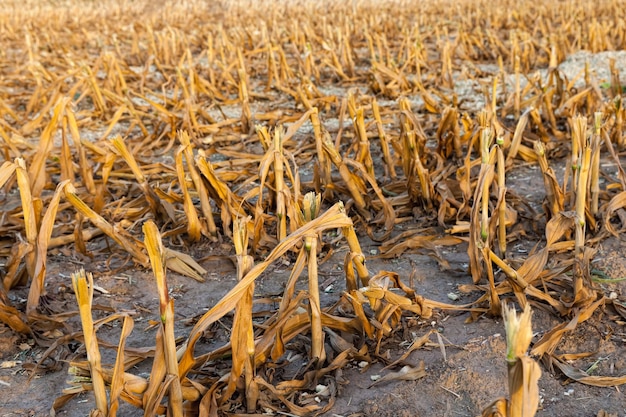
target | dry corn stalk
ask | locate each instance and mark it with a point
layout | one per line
(584, 165)
(501, 167)
(116, 233)
(168, 360)
(37, 285)
(479, 222)
(594, 176)
(384, 142)
(119, 382)
(310, 210)
(31, 214)
(578, 126)
(354, 183)
(242, 336)
(275, 158)
(334, 217)
(523, 371)
(158, 81)
(364, 155)
(159, 210)
(324, 163)
(199, 185)
(229, 203)
(83, 289)
(194, 228)
(554, 194)
(413, 149)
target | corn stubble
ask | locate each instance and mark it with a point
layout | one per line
(523, 371)
(178, 85)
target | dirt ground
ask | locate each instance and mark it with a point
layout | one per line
(461, 380)
(470, 376)
(464, 362)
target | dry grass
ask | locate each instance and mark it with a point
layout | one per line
(98, 98)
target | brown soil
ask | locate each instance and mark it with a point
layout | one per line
(472, 375)
(460, 382)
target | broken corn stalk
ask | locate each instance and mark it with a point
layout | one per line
(156, 253)
(310, 210)
(523, 371)
(83, 289)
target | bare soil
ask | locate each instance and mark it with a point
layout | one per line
(462, 378)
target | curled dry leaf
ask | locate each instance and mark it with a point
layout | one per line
(407, 373)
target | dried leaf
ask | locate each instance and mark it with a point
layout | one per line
(407, 373)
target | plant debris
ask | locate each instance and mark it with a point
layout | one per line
(278, 131)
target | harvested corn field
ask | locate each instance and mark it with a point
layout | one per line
(239, 208)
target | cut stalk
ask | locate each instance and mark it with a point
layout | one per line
(310, 210)
(517, 136)
(618, 130)
(384, 142)
(356, 255)
(30, 216)
(272, 74)
(485, 139)
(158, 209)
(502, 208)
(518, 94)
(37, 286)
(594, 180)
(523, 372)
(355, 184)
(412, 148)
(114, 232)
(83, 289)
(67, 170)
(581, 204)
(323, 161)
(193, 223)
(554, 193)
(246, 114)
(166, 308)
(581, 200)
(242, 336)
(578, 125)
(203, 194)
(279, 184)
(363, 155)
